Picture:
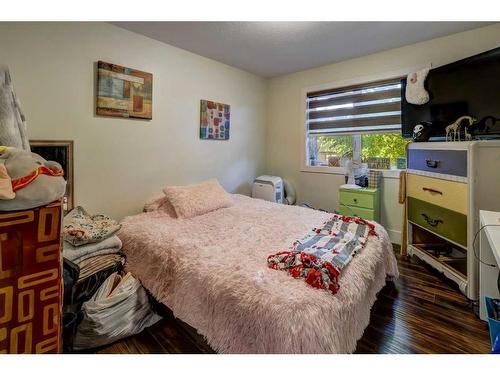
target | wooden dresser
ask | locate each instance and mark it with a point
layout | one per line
(447, 184)
(30, 280)
(364, 203)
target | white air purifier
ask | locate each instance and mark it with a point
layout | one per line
(268, 188)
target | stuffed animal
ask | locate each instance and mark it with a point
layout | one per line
(12, 121)
(415, 88)
(27, 180)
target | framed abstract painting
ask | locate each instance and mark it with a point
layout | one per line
(215, 120)
(124, 92)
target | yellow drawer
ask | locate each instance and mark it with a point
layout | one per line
(448, 194)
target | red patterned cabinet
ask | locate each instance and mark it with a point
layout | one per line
(30, 280)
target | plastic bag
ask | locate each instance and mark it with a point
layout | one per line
(118, 309)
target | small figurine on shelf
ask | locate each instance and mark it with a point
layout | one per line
(484, 125)
(453, 130)
(467, 135)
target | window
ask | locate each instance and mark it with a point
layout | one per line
(360, 122)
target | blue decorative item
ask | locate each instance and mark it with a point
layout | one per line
(493, 324)
(401, 162)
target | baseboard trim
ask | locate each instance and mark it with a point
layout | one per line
(394, 235)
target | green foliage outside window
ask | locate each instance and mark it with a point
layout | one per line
(339, 145)
(386, 145)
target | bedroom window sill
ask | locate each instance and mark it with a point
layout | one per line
(386, 173)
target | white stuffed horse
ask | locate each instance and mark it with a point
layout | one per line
(453, 130)
(415, 87)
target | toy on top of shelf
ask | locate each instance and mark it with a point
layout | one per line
(453, 130)
(422, 131)
(28, 180)
(484, 126)
(415, 88)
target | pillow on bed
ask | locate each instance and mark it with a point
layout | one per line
(193, 200)
(161, 204)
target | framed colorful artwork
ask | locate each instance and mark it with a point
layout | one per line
(123, 92)
(215, 120)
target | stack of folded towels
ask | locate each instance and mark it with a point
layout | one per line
(90, 242)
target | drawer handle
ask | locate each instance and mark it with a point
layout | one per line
(432, 222)
(432, 191)
(432, 163)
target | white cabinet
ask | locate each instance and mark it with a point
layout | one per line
(489, 255)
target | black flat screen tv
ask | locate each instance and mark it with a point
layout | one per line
(466, 87)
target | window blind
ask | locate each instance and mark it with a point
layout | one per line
(372, 107)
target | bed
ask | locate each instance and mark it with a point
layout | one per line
(211, 271)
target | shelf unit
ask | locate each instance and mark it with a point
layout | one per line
(447, 184)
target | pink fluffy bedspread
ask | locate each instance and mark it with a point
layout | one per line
(211, 271)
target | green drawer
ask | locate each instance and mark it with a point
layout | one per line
(447, 223)
(364, 198)
(357, 211)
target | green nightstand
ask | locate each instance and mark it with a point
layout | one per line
(364, 203)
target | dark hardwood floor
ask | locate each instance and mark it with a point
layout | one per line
(421, 312)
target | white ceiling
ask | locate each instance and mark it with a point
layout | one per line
(274, 48)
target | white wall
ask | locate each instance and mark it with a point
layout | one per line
(119, 163)
(285, 119)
